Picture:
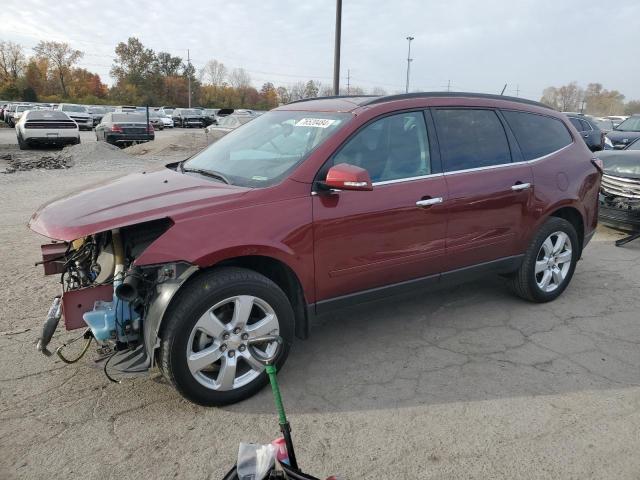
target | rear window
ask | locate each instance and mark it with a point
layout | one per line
(47, 115)
(537, 135)
(471, 138)
(129, 117)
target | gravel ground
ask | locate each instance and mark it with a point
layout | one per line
(468, 382)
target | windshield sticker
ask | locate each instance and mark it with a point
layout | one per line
(315, 122)
(259, 178)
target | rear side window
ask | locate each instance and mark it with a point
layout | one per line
(538, 135)
(576, 123)
(471, 139)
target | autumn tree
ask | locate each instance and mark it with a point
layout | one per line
(600, 101)
(61, 59)
(166, 64)
(134, 63)
(632, 107)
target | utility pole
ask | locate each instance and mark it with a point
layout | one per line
(348, 82)
(409, 60)
(189, 76)
(336, 53)
(517, 90)
(448, 85)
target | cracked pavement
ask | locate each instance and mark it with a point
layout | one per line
(466, 382)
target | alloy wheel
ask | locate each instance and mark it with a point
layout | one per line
(553, 261)
(217, 353)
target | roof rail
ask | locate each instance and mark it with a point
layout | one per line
(404, 96)
(329, 97)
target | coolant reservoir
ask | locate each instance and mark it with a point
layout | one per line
(102, 319)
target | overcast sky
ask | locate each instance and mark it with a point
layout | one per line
(477, 45)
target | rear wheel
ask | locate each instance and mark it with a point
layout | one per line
(204, 350)
(549, 262)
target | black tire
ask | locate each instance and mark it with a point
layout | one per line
(198, 296)
(22, 144)
(524, 282)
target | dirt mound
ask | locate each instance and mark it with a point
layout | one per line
(94, 155)
(92, 152)
(186, 143)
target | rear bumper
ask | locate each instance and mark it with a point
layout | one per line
(129, 137)
(52, 140)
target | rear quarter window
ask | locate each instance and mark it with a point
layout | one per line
(537, 135)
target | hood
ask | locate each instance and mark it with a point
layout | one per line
(135, 198)
(619, 136)
(621, 163)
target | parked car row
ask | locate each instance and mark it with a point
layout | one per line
(606, 133)
(89, 116)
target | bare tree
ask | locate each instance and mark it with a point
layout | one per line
(214, 73)
(239, 78)
(12, 61)
(296, 91)
(378, 91)
(61, 57)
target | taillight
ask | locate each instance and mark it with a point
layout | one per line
(116, 128)
(150, 128)
(598, 164)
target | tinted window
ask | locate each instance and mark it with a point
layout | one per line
(471, 139)
(537, 135)
(391, 148)
(586, 126)
(576, 123)
(129, 117)
(47, 115)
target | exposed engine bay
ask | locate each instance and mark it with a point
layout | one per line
(104, 292)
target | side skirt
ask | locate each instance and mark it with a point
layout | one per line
(453, 277)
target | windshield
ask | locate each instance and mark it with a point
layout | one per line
(260, 153)
(73, 108)
(186, 111)
(631, 124)
(98, 110)
(22, 108)
(634, 146)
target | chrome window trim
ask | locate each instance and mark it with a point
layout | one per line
(502, 165)
(407, 179)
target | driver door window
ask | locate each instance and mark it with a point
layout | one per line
(392, 148)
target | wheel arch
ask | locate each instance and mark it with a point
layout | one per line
(575, 218)
(274, 269)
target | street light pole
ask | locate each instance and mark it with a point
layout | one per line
(336, 53)
(409, 60)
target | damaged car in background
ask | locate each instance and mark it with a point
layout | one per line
(620, 190)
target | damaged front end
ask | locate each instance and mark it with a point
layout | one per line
(103, 289)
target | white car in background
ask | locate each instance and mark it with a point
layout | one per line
(78, 114)
(47, 128)
(17, 113)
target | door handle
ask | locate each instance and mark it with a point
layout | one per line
(429, 201)
(520, 186)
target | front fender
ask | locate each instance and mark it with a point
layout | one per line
(165, 292)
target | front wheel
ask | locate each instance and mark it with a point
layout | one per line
(549, 263)
(204, 351)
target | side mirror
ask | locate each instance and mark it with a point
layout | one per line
(347, 177)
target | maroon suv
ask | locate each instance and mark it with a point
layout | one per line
(311, 207)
